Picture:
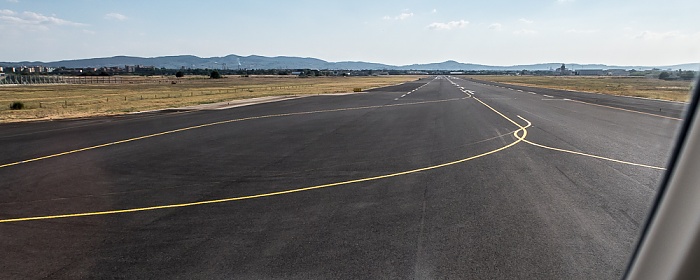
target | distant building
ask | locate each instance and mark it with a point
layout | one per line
(412, 72)
(562, 71)
(617, 72)
(591, 72)
(145, 69)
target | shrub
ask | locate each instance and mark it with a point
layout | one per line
(215, 75)
(17, 105)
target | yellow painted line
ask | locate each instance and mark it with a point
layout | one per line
(216, 123)
(497, 112)
(188, 204)
(524, 129)
(627, 110)
(580, 153)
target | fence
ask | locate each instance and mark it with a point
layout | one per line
(13, 79)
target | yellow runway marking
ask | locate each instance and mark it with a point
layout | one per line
(516, 133)
(140, 209)
(627, 110)
(580, 153)
(216, 123)
(524, 129)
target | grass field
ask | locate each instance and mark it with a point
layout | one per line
(134, 94)
(626, 86)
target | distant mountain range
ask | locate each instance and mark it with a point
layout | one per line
(286, 62)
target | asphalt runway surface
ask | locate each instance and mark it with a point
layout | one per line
(440, 178)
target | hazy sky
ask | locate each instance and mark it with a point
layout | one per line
(640, 32)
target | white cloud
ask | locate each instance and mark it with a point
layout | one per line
(402, 16)
(524, 32)
(434, 11)
(115, 16)
(32, 20)
(496, 26)
(448, 25)
(526, 21)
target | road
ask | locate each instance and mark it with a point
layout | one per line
(433, 179)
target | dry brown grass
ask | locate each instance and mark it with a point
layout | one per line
(135, 94)
(626, 86)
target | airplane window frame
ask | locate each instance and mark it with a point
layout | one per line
(669, 243)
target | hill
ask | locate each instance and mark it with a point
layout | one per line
(288, 62)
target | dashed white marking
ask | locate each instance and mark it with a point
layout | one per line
(520, 90)
(549, 96)
(531, 92)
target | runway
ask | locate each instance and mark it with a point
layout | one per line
(438, 178)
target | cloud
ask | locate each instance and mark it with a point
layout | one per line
(12, 1)
(448, 25)
(402, 16)
(526, 21)
(115, 16)
(496, 26)
(524, 32)
(434, 11)
(32, 20)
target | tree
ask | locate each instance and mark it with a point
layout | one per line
(664, 75)
(215, 75)
(179, 74)
(687, 75)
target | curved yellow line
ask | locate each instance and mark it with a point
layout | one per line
(524, 129)
(140, 209)
(580, 153)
